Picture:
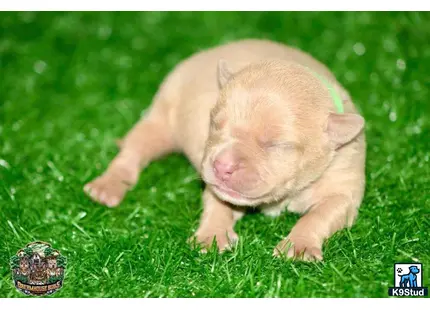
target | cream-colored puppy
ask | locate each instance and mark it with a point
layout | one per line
(267, 126)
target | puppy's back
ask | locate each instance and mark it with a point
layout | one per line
(198, 73)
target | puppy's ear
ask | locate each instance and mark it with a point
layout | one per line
(342, 128)
(224, 73)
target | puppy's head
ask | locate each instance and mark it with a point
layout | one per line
(271, 133)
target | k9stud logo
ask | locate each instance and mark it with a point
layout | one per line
(408, 280)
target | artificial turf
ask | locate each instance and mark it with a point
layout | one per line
(71, 83)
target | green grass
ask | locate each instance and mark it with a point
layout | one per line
(70, 83)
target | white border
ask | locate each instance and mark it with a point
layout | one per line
(219, 5)
(218, 303)
(173, 5)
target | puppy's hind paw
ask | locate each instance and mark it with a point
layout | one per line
(107, 190)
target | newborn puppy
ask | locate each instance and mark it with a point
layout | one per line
(268, 127)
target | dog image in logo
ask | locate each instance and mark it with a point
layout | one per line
(24, 267)
(38, 269)
(410, 279)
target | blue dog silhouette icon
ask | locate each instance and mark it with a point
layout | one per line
(410, 278)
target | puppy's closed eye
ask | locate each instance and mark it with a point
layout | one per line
(277, 145)
(282, 145)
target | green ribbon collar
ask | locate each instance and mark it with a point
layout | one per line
(337, 100)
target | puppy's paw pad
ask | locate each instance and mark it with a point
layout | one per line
(298, 248)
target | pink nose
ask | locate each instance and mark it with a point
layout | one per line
(224, 167)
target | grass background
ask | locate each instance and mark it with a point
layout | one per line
(70, 83)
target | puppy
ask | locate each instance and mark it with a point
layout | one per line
(267, 126)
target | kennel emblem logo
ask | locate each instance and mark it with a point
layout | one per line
(38, 269)
(408, 280)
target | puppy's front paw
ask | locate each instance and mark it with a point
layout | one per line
(299, 247)
(225, 239)
(108, 189)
